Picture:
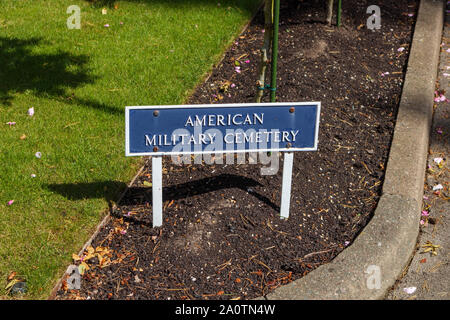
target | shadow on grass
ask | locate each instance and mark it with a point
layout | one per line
(48, 75)
(109, 190)
(246, 5)
(140, 195)
(51, 74)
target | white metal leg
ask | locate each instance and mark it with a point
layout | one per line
(286, 184)
(157, 191)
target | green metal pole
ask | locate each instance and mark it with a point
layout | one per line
(276, 20)
(339, 13)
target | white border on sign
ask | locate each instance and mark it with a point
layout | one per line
(229, 105)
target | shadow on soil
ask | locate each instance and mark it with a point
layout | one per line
(109, 190)
(186, 190)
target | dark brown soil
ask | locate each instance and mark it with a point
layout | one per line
(222, 236)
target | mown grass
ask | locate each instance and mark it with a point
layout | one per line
(79, 81)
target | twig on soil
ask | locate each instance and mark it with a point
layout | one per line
(263, 264)
(313, 254)
(365, 166)
(224, 265)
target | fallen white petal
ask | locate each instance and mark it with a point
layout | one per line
(438, 187)
(410, 290)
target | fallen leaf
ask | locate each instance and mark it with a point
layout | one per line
(147, 184)
(82, 268)
(12, 275)
(75, 257)
(11, 284)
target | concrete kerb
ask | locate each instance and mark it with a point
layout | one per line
(370, 266)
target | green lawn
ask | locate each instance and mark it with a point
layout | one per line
(79, 81)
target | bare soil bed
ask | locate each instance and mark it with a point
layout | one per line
(222, 236)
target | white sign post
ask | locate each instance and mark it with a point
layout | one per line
(157, 187)
(286, 184)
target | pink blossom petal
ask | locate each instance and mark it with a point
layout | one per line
(31, 112)
(410, 290)
(425, 213)
(106, 25)
(247, 61)
(10, 202)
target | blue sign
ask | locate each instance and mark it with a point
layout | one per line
(221, 128)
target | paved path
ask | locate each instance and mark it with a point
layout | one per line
(428, 276)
